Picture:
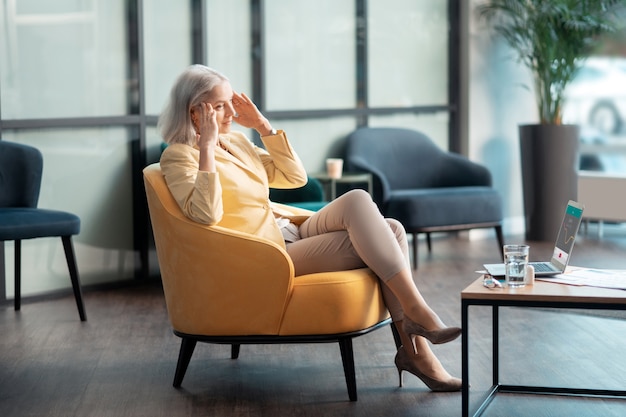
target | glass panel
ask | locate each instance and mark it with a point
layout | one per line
(596, 100)
(608, 156)
(226, 53)
(154, 144)
(407, 53)
(434, 125)
(86, 172)
(310, 54)
(167, 48)
(63, 59)
(316, 140)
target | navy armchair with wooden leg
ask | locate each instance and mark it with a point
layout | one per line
(424, 187)
(21, 169)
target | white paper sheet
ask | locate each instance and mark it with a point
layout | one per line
(592, 277)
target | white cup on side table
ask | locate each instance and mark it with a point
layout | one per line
(334, 167)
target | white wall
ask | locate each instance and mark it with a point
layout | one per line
(497, 91)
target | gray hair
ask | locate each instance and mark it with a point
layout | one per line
(190, 89)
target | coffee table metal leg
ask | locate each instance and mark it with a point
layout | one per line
(464, 358)
(496, 346)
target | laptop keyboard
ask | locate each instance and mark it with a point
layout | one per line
(542, 266)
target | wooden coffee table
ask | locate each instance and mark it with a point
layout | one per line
(541, 294)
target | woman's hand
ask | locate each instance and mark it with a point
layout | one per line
(207, 129)
(247, 114)
(207, 137)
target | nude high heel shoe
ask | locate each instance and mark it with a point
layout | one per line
(436, 337)
(404, 363)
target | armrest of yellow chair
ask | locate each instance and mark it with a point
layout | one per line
(217, 281)
(238, 282)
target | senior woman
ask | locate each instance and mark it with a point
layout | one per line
(218, 176)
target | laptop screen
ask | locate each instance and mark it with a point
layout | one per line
(567, 234)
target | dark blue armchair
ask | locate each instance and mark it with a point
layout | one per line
(425, 188)
(21, 169)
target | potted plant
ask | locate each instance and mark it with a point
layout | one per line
(551, 38)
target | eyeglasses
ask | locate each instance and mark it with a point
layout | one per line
(490, 282)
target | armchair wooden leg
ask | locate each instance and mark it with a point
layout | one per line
(396, 335)
(414, 250)
(17, 299)
(429, 243)
(71, 265)
(500, 238)
(186, 350)
(234, 350)
(3, 276)
(347, 358)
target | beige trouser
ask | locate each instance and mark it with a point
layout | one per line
(350, 233)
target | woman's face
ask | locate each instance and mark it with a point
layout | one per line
(222, 101)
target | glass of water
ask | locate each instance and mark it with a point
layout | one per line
(515, 263)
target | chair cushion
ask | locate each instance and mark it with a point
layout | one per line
(334, 302)
(445, 206)
(28, 223)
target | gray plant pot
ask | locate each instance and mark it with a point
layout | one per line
(549, 157)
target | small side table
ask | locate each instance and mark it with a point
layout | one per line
(346, 178)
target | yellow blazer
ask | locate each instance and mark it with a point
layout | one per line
(237, 195)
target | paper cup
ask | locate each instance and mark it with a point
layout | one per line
(334, 167)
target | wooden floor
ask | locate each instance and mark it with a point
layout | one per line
(121, 362)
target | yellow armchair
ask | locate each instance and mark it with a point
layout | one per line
(224, 286)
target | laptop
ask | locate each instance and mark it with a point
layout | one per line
(562, 249)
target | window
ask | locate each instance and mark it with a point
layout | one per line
(85, 81)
